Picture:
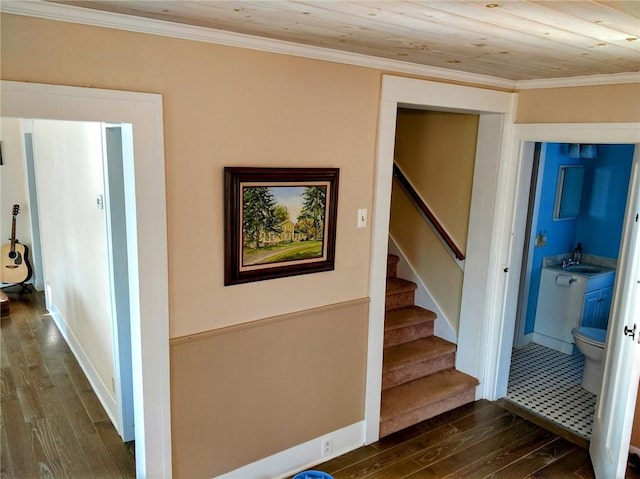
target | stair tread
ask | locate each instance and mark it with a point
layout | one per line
(407, 316)
(399, 285)
(419, 350)
(424, 391)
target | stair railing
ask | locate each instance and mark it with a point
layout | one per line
(432, 221)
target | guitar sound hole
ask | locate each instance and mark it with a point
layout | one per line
(12, 254)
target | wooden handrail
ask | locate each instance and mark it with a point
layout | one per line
(415, 197)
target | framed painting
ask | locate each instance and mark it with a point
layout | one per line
(279, 222)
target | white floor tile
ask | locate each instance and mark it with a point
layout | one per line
(547, 382)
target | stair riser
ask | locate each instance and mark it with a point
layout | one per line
(392, 270)
(392, 266)
(417, 370)
(417, 415)
(410, 333)
(399, 300)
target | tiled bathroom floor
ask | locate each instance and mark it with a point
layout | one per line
(547, 382)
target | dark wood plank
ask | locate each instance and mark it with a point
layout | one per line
(495, 460)
(536, 460)
(65, 450)
(418, 464)
(432, 442)
(48, 409)
(18, 433)
(100, 461)
(122, 457)
(400, 437)
(571, 465)
(452, 464)
(6, 468)
(73, 407)
(76, 374)
(29, 403)
(93, 407)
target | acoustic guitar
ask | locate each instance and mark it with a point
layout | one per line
(14, 261)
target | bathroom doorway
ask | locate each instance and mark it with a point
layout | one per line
(577, 197)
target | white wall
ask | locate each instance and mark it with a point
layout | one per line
(69, 171)
(13, 183)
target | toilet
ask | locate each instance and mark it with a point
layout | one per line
(591, 342)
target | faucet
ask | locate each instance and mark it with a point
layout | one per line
(568, 262)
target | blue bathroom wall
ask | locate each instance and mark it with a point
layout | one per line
(604, 200)
(598, 227)
(561, 234)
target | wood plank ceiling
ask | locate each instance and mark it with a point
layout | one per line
(509, 39)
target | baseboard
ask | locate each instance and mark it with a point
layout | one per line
(424, 299)
(302, 456)
(103, 394)
(549, 342)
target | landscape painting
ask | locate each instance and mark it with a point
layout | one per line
(279, 222)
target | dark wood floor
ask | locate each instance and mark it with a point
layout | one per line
(52, 424)
(479, 440)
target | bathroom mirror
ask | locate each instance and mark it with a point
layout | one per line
(568, 192)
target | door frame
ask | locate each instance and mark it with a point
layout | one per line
(510, 230)
(495, 110)
(147, 243)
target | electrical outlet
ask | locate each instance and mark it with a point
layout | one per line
(327, 446)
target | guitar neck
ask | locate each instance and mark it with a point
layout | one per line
(13, 234)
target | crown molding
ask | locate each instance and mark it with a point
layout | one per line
(97, 18)
(591, 80)
(73, 14)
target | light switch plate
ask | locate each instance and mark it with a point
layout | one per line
(362, 218)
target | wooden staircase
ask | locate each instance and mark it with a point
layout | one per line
(418, 376)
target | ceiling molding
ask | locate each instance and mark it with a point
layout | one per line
(67, 13)
(73, 14)
(613, 79)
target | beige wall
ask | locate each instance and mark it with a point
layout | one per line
(225, 106)
(589, 104)
(246, 398)
(436, 150)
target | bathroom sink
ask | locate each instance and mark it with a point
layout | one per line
(584, 269)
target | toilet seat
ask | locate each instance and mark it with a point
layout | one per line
(594, 336)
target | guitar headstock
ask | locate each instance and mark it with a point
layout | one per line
(16, 210)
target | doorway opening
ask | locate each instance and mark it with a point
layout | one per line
(570, 254)
(146, 240)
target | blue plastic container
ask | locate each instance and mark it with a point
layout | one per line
(312, 475)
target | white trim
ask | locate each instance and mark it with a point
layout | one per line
(587, 80)
(634, 450)
(101, 389)
(397, 91)
(424, 299)
(301, 457)
(147, 245)
(73, 14)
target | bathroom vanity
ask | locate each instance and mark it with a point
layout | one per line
(570, 297)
